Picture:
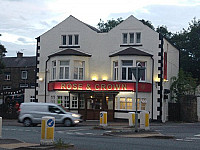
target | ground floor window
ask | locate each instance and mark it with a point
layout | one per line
(141, 103)
(32, 98)
(63, 101)
(126, 103)
(74, 101)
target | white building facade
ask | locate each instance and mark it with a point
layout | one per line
(88, 71)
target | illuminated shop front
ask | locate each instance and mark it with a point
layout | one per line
(91, 97)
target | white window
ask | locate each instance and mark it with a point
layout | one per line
(64, 70)
(24, 75)
(141, 104)
(52, 99)
(53, 70)
(63, 101)
(70, 40)
(32, 98)
(79, 70)
(7, 77)
(142, 72)
(131, 37)
(115, 70)
(138, 37)
(74, 102)
(126, 69)
(76, 39)
(64, 40)
(6, 87)
(125, 103)
(125, 38)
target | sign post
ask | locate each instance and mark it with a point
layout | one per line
(47, 130)
(137, 72)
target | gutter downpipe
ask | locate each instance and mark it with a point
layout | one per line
(152, 85)
(45, 83)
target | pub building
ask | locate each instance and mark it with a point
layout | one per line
(87, 71)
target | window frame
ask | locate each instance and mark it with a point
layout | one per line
(127, 68)
(22, 75)
(116, 70)
(65, 68)
(7, 76)
(78, 70)
(54, 65)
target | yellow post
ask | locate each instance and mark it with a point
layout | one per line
(47, 130)
(131, 117)
(103, 118)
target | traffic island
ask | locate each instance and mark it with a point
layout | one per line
(139, 134)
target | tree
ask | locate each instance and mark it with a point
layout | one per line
(2, 53)
(148, 23)
(188, 42)
(164, 31)
(182, 85)
(105, 27)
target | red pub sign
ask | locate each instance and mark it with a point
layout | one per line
(99, 86)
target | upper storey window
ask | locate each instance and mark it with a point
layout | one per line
(126, 69)
(64, 70)
(79, 70)
(131, 38)
(70, 40)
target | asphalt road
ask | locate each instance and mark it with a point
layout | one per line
(187, 137)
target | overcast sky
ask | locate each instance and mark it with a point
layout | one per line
(21, 21)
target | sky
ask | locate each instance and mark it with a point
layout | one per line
(21, 21)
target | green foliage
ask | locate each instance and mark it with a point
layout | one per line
(105, 27)
(148, 23)
(184, 84)
(60, 144)
(188, 42)
(164, 31)
(2, 53)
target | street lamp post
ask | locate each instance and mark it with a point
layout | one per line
(136, 71)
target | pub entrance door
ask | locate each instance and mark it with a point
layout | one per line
(99, 102)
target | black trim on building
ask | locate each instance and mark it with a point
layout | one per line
(160, 75)
(130, 45)
(69, 46)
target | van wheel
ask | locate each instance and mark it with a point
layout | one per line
(27, 122)
(67, 122)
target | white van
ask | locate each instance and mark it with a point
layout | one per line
(30, 114)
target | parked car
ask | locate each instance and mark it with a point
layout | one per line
(30, 114)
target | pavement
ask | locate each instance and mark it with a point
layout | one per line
(118, 128)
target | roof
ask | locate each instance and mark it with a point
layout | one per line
(19, 61)
(70, 52)
(130, 51)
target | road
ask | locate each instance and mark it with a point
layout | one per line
(187, 137)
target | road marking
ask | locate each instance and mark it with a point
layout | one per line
(184, 140)
(197, 135)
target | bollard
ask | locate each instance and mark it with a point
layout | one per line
(144, 120)
(131, 116)
(103, 118)
(0, 127)
(47, 130)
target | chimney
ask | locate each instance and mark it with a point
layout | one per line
(19, 54)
